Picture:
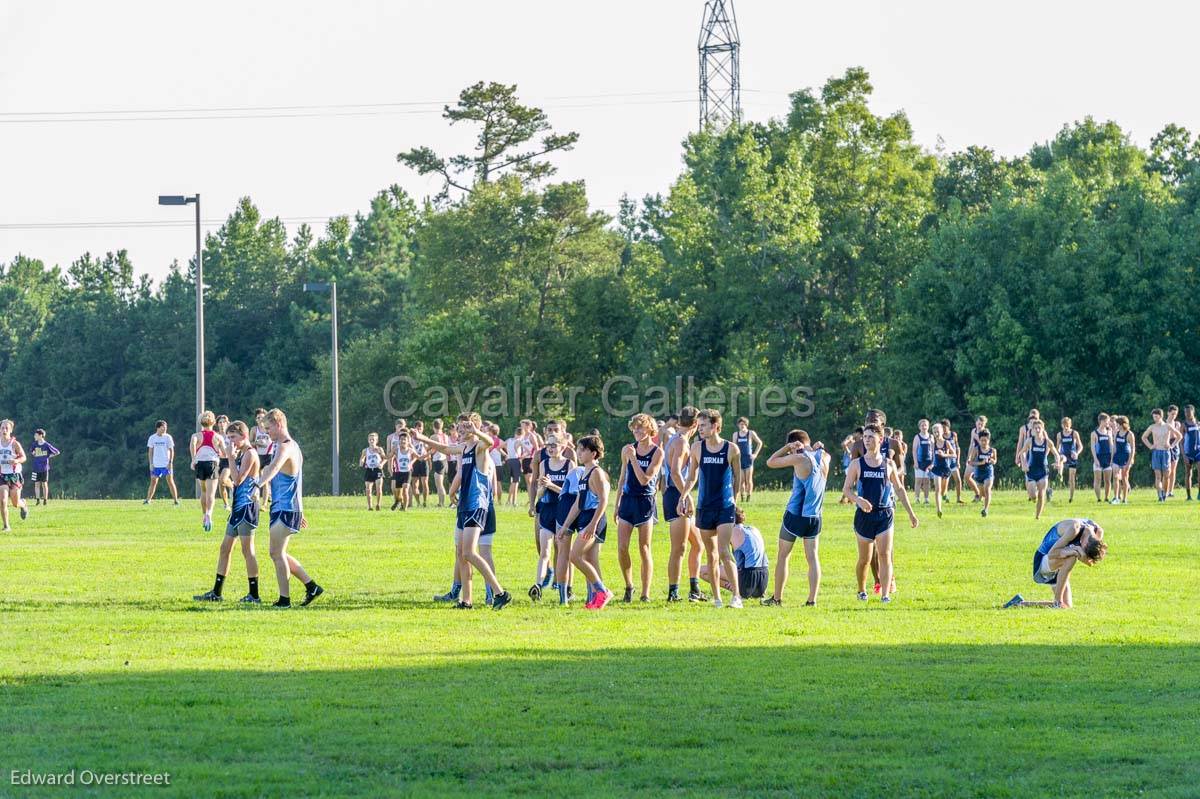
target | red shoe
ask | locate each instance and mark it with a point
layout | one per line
(877, 588)
(599, 600)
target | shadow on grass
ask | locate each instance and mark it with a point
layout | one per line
(920, 720)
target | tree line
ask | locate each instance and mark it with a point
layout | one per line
(825, 250)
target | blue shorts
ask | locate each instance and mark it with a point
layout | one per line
(1037, 577)
(940, 470)
(874, 524)
(288, 518)
(711, 518)
(1175, 453)
(671, 503)
(747, 462)
(636, 510)
(1193, 456)
(547, 516)
(482, 518)
(984, 473)
(243, 520)
(952, 464)
(565, 503)
(585, 518)
(1160, 460)
(795, 526)
(160, 471)
(1105, 462)
(1071, 463)
(1035, 476)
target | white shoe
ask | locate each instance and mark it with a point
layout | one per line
(736, 602)
(717, 603)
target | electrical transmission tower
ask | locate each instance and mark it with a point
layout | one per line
(720, 71)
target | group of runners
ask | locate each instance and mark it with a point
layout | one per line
(13, 457)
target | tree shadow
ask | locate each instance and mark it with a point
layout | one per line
(837, 721)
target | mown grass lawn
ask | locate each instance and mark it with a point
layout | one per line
(107, 664)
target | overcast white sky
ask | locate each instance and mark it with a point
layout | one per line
(1003, 75)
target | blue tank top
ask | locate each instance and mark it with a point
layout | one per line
(475, 488)
(1068, 445)
(666, 469)
(924, 454)
(1191, 436)
(984, 455)
(1037, 456)
(633, 486)
(752, 554)
(941, 455)
(1122, 450)
(743, 443)
(556, 476)
(873, 484)
(1051, 538)
(243, 493)
(808, 493)
(885, 448)
(587, 497)
(716, 478)
(284, 491)
(1103, 446)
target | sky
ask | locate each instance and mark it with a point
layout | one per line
(353, 83)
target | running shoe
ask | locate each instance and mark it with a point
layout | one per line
(535, 592)
(983, 513)
(1016, 600)
(249, 599)
(24, 513)
(628, 594)
(548, 578)
(771, 602)
(885, 599)
(463, 606)
(500, 600)
(449, 596)
(877, 587)
(717, 603)
(283, 603)
(208, 596)
(309, 596)
(697, 596)
(810, 604)
(862, 596)
(673, 596)
(601, 599)
(644, 599)
(736, 602)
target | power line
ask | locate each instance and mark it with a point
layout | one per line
(145, 223)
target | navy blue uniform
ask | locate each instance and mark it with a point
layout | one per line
(715, 505)
(1069, 450)
(1191, 441)
(743, 443)
(637, 501)
(670, 492)
(589, 504)
(1104, 450)
(1036, 471)
(874, 487)
(1121, 451)
(984, 471)
(547, 507)
(923, 456)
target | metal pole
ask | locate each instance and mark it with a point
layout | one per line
(199, 319)
(337, 421)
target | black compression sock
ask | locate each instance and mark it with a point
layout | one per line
(219, 584)
(694, 582)
(253, 587)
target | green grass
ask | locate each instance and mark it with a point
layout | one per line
(106, 664)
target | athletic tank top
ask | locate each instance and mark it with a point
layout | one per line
(1103, 445)
(373, 459)
(402, 462)
(475, 487)
(207, 451)
(924, 454)
(942, 455)
(885, 448)
(243, 492)
(1037, 457)
(1068, 445)
(7, 453)
(1191, 436)
(1051, 538)
(587, 497)
(262, 441)
(752, 554)
(1122, 445)
(668, 480)
(716, 478)
(556, 476)
(873, 484)
(633, 486)
(743, 443)
(808, 493)
(440, 438)
(984, 456)
(284, 491)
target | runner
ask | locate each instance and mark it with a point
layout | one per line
(943, 454)
(476, 519)
(205, 448)
(1159, 438)
(682, 527)
(1124, 454)
(1173, 421)
(12, 455)
(1191, 448)
(983, 463)
(871, 483)
(371, 460)
(1069, 542)
(1069, 447)
(223, 481)
(438, 462)
(749, 445)
(1038, 456)
(750, 555)
(160, 454)
(716, 466)
(922, 452)
(1102, 456)
(953, 463)
(640, 465)
(543, 506)
(898, 445)
(285, 474)
(262, 448)
(420, 471)
(972, 448)
(244, 518)
(401, 460)
(802, 517)
(43, 451)
(512, 465)
(589, 517)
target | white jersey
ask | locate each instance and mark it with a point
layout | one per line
(161, 446)
(262, 441)
(402, 462)
(512, 448)
(441, 438)
(373, 459)
(8, 452)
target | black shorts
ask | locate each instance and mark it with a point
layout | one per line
(526, 465)
(452, 470)
(752, 583)
(222, 464)
(711, 519)
(242, 521)
(264, 459)
(484, 519)
(420, 469)
(39, 477)
(288, 518)
(439, 467)
(874, 524)
(670, 503)
(13, 479)
(206, 470)
(794, 527)
(372, 475)
(513, 465)
(400, 479)
(636, 510)
(585, 518)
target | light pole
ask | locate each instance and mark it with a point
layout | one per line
(331, 287)
(179, 199)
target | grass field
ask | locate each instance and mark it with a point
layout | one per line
(107, 664)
